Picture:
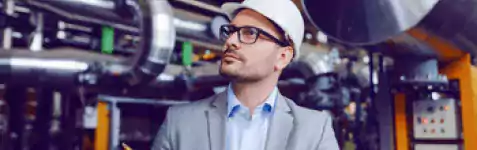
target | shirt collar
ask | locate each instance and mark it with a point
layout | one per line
(233, 104)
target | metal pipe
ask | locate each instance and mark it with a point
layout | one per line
(384, 113)
(102, 12)
(411, 26)
(115, 125)
(158, 34)
(9, 9)
(36, 43)
(202, 5)
(363, 22)
(188, 26)
(127, 100)
(154, 24)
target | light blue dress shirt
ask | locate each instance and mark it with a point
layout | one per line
(247, 131)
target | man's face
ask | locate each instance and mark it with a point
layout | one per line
(252, 62)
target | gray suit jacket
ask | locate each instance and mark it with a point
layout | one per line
(201, 126)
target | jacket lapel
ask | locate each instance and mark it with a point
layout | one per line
(216, 122)
(280, 127)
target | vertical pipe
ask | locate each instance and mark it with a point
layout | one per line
(114, 126)
(55, 127)
(372, 87)
(36, 44)
(9, 7)
(383, 109)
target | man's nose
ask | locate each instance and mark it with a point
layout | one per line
(233, 42)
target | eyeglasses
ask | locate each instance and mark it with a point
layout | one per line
(247, 34)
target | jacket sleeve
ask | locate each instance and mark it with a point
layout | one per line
(162, 140)
(328, 139)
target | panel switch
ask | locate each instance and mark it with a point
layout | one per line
(430, 109)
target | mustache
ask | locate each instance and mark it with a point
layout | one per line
(233, 52)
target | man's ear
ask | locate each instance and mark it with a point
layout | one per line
(284, 57)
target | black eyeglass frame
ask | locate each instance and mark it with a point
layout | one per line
(260, 31)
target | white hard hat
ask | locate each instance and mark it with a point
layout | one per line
(284, 13)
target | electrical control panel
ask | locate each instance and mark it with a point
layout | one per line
(436, 147)
(435, 119)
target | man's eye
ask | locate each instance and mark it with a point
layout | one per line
(249, 32)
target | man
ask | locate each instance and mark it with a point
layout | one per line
(262, 39)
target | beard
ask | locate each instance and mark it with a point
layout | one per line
(228, 72)
(240, 73)
(241, 70)
(231, 69)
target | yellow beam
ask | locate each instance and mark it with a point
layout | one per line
(467, 76)
(101, 138)
(400, 122)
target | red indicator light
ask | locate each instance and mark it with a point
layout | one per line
(425, 121)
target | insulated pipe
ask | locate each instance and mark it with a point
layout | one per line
(158, 38)
(91, 11)
(430, 28)
(9, 7)
(365, 22)
(189, 26)
(153, 21)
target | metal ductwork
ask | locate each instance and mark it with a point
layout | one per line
(158, 36)
(424, 27)
(198, 29)
(189, 26)
(101, 12)
(313, 61)
(153, 21)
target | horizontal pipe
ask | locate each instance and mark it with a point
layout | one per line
(128, 100)
(154, 24)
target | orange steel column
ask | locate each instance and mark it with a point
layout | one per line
(101, 139)
(467, 76)
(400, 122)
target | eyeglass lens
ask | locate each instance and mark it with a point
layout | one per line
(247, 35)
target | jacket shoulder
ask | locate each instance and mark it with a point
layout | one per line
(314, 124)
(310, 119)
(318, 125)
(310, 115)
(191, 108)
